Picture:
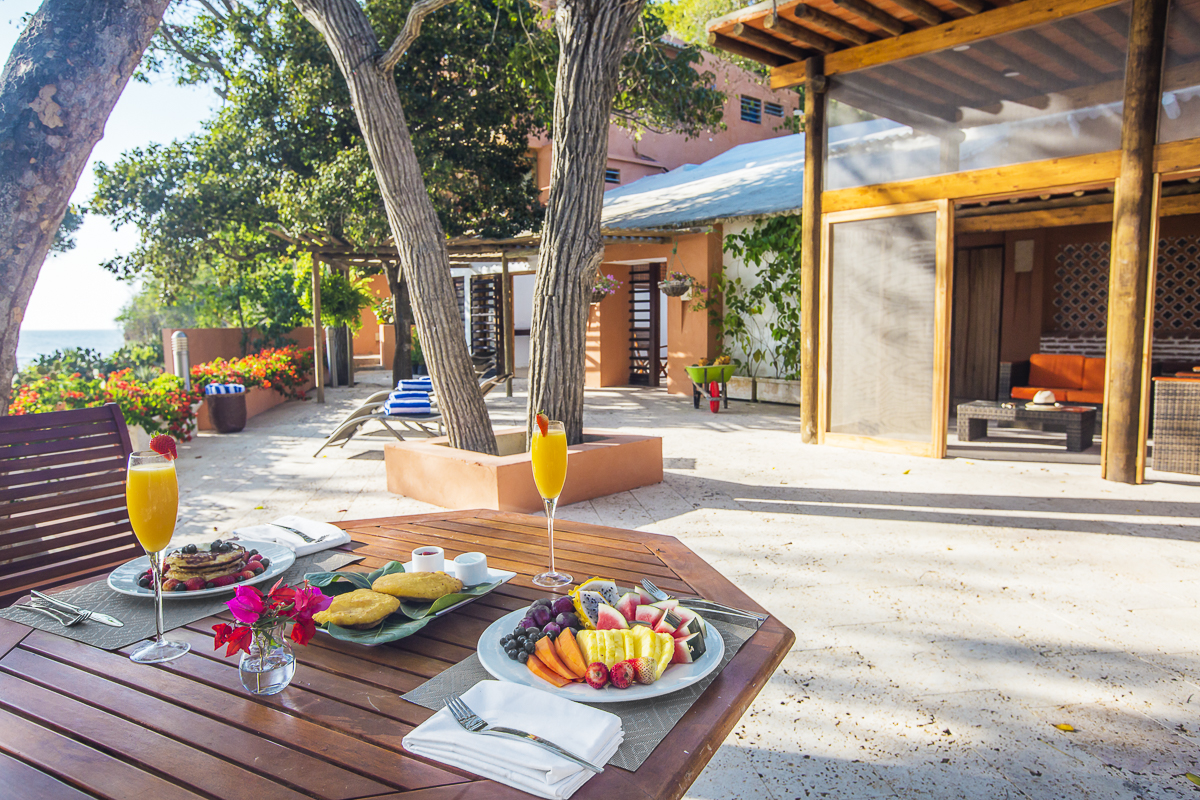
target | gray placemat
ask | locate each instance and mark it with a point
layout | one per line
(138, 613)
(646, 722)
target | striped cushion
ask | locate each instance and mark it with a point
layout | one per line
(422, 384)
(400, 403)
(224, 388)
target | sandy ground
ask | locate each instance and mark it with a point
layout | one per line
(949, 614)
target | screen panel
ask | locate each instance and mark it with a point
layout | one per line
(1179, 117)
(881, 324)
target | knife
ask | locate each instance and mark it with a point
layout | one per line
(96, 615)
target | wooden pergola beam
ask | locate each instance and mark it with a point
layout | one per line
(810, 246)
(921, 10)
(1126, 379)
(765, 41)
(835, 25)
(865, 11)
(967, 30)
(970, 6)
(900, 101)
(784, 27)
(1093, 43)
(318, 329)
(740, 48)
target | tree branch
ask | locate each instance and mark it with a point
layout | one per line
(203, 62)
(411, 30)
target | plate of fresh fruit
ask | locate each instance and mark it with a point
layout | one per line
(602, 645)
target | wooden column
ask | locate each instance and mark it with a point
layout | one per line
(318, 331)
(810, 245)
(349, 344)
(506, 367)
(1133, 224)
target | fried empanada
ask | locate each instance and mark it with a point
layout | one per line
(425, 586)
(361, 608)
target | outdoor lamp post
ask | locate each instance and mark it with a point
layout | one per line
(183, 367)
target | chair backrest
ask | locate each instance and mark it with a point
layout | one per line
(491, 383)
(62, 498)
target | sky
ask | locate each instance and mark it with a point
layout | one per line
(73, 292)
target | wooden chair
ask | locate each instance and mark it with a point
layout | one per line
(62, 498)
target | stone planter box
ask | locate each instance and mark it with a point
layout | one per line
(258, 400)
(741, 388)
(606, 463)
(776, 390)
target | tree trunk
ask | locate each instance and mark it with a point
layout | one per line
(401, 314)
(593, 35)
(420, 241)
(59, 86)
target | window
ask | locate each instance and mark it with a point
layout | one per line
(773, 109)
(751, 109)
(612, 175)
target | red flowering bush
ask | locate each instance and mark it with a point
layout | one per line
(284, 369)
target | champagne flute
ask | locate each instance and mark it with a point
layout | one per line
(549, 458)
(152, 498)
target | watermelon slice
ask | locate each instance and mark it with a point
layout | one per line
(648, 614)
(667, 624)
(666, 605)
(628, 604)
(609, 619)
(688, 649)
(644, 596)
(689, 622)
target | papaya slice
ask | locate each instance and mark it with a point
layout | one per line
(544, 650)
(545, 673)
(569, 653)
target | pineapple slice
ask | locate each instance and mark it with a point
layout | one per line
(587, 645)
(666, 652)
(646, 642)
(630, 644)
(617, 642)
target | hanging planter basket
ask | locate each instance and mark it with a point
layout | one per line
(598, 295)
(674, 288)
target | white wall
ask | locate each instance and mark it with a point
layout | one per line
(736, 268)
(522, 317)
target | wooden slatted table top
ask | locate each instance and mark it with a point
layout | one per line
(77, 721)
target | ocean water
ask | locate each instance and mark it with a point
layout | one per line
(32, 344)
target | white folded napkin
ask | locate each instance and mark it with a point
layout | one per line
(587, 732)
(326, 535)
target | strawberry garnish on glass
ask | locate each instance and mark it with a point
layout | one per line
(543, 423)
(165, 446)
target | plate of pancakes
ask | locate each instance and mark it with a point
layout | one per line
(206, 563)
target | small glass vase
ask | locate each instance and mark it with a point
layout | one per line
(269, 666)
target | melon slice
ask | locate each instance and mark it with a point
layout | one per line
(544, 649)
(545, 673)
(688, 649)
(666, 605)
(567, 650)
(648, 614)
(628, 604)
(689, 622)
(667, 624)
(609, 619)
(644, 596)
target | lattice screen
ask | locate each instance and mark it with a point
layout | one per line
(1081, 287)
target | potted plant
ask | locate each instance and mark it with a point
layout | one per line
(676, 284)
(605, 285)
(704, 373)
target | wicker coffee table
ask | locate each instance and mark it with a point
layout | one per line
(1080, 421)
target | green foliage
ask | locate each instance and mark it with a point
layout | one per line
(687, 18)
(763, 319)
(64, 236)
(342, 298)
(89, 362)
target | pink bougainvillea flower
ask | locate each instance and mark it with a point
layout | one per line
(247, 605)
(308, 601)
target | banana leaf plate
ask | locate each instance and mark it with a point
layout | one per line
(411, 617)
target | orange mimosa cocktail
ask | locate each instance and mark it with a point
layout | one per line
(548, 454)
(152, 501)
(152, 496)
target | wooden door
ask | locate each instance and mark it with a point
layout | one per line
(644, 325)
(975, 341)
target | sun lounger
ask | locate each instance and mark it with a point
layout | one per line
(372, 410)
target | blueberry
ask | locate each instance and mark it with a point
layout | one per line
(189, 549)
(144, 582)
(522, 656)
(265, 563)
(180, 587)
(210, 585)
(504, 640)
(252, 553)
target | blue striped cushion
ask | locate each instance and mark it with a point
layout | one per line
(224, 388)
(400, 403)
(422, 384)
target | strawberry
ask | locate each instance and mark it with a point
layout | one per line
(224, 580)
(169, 585)
(194, 584)
(165, 446)
(597, 675)
(543, 423)
(622, 674)
(246, 575)
(645, 669)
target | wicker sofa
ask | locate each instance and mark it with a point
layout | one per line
(1072, 378)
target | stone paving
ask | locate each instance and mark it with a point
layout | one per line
(948, 614)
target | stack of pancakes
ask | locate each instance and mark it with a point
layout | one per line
(206, 564)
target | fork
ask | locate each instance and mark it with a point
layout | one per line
(659, 594)
(307, 539)
(469, 720)
(66, 620)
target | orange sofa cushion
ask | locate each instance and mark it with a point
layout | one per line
(1093, 374)
(1028, 392)
(1056, 371)
(1085, 396)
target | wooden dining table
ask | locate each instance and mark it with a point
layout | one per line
(77, 721)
